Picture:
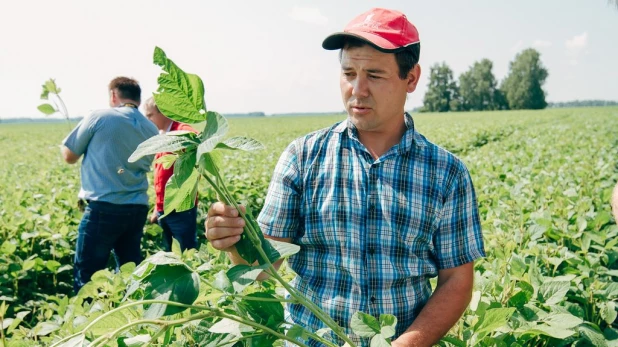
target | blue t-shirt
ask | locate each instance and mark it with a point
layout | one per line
(107, 138)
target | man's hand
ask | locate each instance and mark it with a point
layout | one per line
(223, 226)
(154, 217)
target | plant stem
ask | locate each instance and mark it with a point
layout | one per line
(253, 236)
(260, 326)
(166, 324)
(159, 333)
(255, 298)
(136, 303)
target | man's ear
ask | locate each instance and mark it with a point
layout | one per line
(413, 77)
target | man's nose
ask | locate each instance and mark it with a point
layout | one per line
(360, 87)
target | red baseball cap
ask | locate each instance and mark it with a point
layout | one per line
(386, 30)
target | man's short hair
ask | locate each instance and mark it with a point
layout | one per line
(406, 58)
(127, 88)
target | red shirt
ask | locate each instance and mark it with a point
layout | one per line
(161, 175)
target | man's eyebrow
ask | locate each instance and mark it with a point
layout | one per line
(373, 71)
(378, 71)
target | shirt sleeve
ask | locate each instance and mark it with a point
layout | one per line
(281, 214)
(77, 141)
(459, 238)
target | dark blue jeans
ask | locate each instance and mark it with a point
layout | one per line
(182, 226)
(105, 227)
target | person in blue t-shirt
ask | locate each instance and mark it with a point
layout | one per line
(114, 189)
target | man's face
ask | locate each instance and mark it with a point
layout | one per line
(372, 91)
(156, 117)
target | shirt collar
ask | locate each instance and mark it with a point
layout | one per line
(410, 137)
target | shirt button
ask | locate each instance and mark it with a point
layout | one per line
(373, 299)
(372, 208)
(371, 250)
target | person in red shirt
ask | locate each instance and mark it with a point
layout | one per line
(180, 225)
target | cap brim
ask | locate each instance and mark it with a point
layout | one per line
(337, 40)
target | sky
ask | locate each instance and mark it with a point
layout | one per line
(266, 56)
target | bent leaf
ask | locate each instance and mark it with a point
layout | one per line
(216, 124)
(241, 143)
(162, 143)
(364, 325)
(180, 95)
(47, 109)
(173, 283)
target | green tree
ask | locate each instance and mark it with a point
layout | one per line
(479, 90)
(523, 86)
(442, 92)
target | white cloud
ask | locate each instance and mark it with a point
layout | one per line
(309, 15)
(517, 46)
(577, 43)
(541, 43)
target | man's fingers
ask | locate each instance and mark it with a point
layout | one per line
(223, 244)
(221, 233)
(220, 209)
(224, 222)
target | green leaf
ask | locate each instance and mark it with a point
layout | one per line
(109, 323)
(523, 296)
(47, 109)
(454, 341)
(562, 320)
(208, 146)
(240, 143)
(493, 319)
(267, 313)
(592, 333)
(174, 283)
(208, 162)
(364, 325)
(167, 160)
(135, 341)
(242, 275)
(180, 195)
(387, 325)
(228, 326)
(379, 341)
(7, 248)
(162, 143)
(222, 282)
(283, 249)
(50, 86)
(518, 266)
(553, 292)
(77, 341)
(52, 265)
(608, 312)
(45, 328)
(176, 247)
(216, 126)
(180, 95)
(297, 332)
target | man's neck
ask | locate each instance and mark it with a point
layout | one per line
(127, 102)
(379, 142)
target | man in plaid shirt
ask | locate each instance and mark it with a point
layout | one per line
(376, 208)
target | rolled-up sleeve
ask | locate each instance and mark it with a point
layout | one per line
(281, 214)
(77, 141)
(459, 238)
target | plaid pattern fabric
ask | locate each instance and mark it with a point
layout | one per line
(372, 232)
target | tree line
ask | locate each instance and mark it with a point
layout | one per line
(477, 89)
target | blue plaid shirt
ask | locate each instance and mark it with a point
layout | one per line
(372, 232)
